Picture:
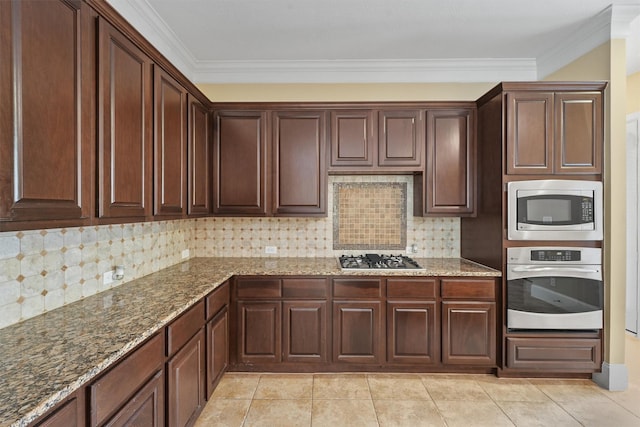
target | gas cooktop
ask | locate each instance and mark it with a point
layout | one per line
(377, 262)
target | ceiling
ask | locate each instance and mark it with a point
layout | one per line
(227, 41)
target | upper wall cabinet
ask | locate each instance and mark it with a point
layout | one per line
(378, 141)
(199, 155)
(299, 162)
(46, 128)
(170, 145)
(240, 163)
(553, 132)
(125, 93)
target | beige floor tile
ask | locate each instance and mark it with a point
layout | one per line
(334, 413)
(281, 413)
(598, 414)
(629, 399)
(341, 386)
(538, 414)
(223, 413)
(512, 390)
(409, 413)
(473, 413)
(563, 392)
(284, 386)
(236, 386)
(397, 387)
(442, 389)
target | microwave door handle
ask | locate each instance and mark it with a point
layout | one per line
(525, 269)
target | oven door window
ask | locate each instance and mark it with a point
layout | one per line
(555, 295)
(555, 210)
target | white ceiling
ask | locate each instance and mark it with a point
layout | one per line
(221, 41)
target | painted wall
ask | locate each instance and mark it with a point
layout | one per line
(345, 92)
(633, 93)
(608, 62)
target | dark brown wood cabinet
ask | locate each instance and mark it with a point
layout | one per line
(145, 408)
(304, 331)
(400, 138)
(299, 163)
(259, 332)
(68, 413)
(125, 126)
(448, 184)
(353, 138)
(554, 353)
(468, 322)
(240, 163)
(199, 159)
(46, 121)
(554, 132)
(217, 330)
(170, 145)
(413, 321)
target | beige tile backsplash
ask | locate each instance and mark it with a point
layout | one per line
(41, 270)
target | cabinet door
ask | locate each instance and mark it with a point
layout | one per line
(69, 413)
(217, 349)
(305, 331)
(299, 161)
(412, 332)
(529, 132)
(125, 95)
(145, 408)
(468, 333)
(47, 86)
(401, 139)
(259, 330)
(353, 138)
(356, 332)
(186, 382)
(578, 132)
(450, 167)
(170, 145)
(199, 170)
(240, 163)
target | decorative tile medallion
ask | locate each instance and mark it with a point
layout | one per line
(370, 215)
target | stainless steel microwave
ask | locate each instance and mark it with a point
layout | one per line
(554, 209)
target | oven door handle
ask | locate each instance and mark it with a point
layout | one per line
(532, 268)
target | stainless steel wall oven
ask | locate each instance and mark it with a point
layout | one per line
(554, 288)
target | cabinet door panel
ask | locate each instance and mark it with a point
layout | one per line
(299, 163)
(240, 162)
(468, 333)
(356, 332)
(145, 408)
(124, 127)
(186, 382)
(217, 349)
(170, 145)
(412, 332)
(305, 331)
(450, 162)
(565, 354)
(353, 140)
(199, 159)
(45, 140)
(259, 331)
(578, 133)
(529, 133)
(68, 414)
(400, 138)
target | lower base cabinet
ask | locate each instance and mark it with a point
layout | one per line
(260, 332)
(304, 331)
(468, 333)
(562, 354)
(357, 327)
(185, 382)
(145, 408)
(412, 332)
(69, 413)
(217, 349)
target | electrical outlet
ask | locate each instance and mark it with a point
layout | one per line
(270, 249)
(185, 253)
(107, 277)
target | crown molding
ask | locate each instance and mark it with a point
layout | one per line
(366, 71)
(612, 23)
(146, 20)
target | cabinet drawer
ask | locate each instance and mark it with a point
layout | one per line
(356, 288)
(217, 299)
(468, 288)
(115, 387)
(304, 288)
(566, 354)
(411, 288)
(258, 288)
(184, 327)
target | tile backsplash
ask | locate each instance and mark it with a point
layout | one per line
(41, 270)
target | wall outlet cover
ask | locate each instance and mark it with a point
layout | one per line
(185, 253)
(271, 249)
(107, 277)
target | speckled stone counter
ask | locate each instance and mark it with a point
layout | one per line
(46, 358)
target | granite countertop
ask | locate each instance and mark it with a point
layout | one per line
(48, 357)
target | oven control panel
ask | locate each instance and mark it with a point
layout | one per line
(555, 255)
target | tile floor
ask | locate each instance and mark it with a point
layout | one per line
(352, 399)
